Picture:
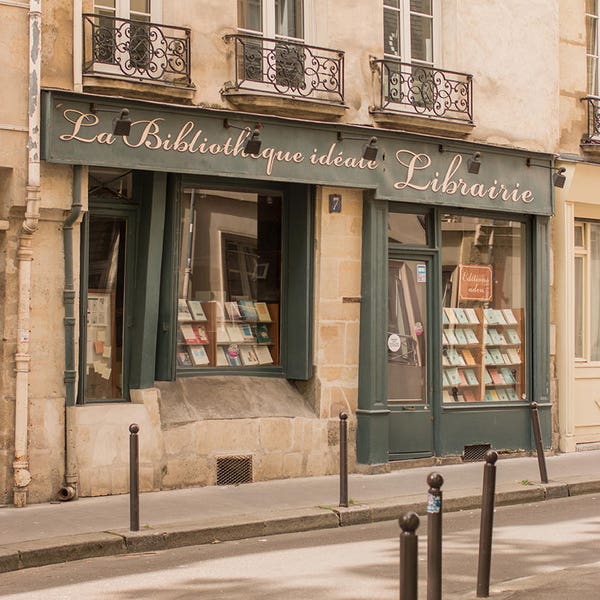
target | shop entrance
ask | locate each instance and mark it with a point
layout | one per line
(408, 340)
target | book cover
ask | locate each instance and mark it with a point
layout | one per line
(248, 310)
(454, 357)
(496, 337)
(470, 336)
(509, 316)
(469, 396)
(247, 333)
(445, 361)
(461, 338)
(468, 357)
(222, 335)
(183, 311)
(461, 317)
(487, 340)
(189, 335)
(487, 358)
(512, 395)
(472, 316)
(463, 379)
(453, 376)
(490, 316)
(233, 311)
(196, 310)
(471, 377)
(233, 355)
(444, 318)
(508, 375)
(445, 381)
(235, 333)
(486, 377)
(201, 334)
(184, 360)
(497, 358)
(248, 356)
(451, 316)
(514, 357)
(447, 396)
(222, 357)
(506, 358)
(502, 395)
(493, 395)
(262, 334)
(496, 376)
(262, 312)
(513, 336)
(264, 355)
(219, 310)
(452, 341)
(444, 339)
(199, 356)
(500, 320)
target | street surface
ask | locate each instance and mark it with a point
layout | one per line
(531, 541)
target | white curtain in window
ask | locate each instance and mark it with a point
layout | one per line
(594, 292)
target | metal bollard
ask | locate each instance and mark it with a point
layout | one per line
(537, 433)
(343, 459)
(134, 479)
(434, 536)
(487, 524)
(409, 544)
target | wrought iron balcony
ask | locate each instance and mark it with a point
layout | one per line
(593, 120)
(136, 49)
(421, 90)
(287, 68)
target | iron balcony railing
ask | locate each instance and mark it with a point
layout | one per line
(593, 119)
(136, 49)
(415, 89)
(287, 68)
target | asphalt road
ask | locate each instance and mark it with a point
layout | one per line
(548, 547)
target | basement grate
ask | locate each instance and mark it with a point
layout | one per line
(475, 452)
(234, 470)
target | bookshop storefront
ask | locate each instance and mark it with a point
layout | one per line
(198, 259)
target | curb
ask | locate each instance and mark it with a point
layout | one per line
(37, 553)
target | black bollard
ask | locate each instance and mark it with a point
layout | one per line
(409, 544)
(434, 536)
(134, 479)
(537, 433)
(487, 524)
(343, 459)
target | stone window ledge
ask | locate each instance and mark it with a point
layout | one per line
(422, 124)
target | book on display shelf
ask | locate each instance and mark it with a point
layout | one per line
(262, 334)
(235, 333)
(188, 333)
(513, 336)
(222, 357)
(502, 395)
(248, 310)
(460, 336)
(201, 334)
(509, 316)
(247, 333)
(199, 356)
(472, 316)
(264, 355)
(262, 312)
(233, 311)
(451, 316)
(461, 317)
(248, 356)
(470, 336)
(196, 310)
(222, 335)
(468, 357)
(184, 360)
(183, 311)
(232, 353)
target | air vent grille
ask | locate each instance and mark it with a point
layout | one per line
(475, 452)
(234, 470)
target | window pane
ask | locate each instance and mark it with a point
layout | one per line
(250, 15)
(579, 236)
(421, 38)
(484, 317)
(407, 229)
(289, 18)
(391, 32)
(140, 6)
(106, 4)
(230, 279)
(393, 3)
(594, 229)
(421, 6)
(579, 306)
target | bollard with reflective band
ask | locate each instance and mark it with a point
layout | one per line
(487, 524)
(434, 536)
(134, 479)
(537, 434)
(343, 459)
(409, 543)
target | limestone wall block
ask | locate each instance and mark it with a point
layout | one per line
(232, 436)
(331, 341)
(180, 441)
(292, 464)
(276, 434)
(182, 472)
(351, 347)
(328, 278)
(269, 466)
(349, 278)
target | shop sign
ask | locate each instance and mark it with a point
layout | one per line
(187, 140)
(475, 282)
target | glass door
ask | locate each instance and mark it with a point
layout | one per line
(408, 371)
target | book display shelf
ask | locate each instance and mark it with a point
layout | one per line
(239, 333)
(482, 356)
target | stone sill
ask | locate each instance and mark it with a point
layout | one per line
(282, 106)
(421, 124)
(591, 148)
(140, 89)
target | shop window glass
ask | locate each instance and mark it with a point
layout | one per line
(483, 314)
(406, 228)
(230, 280)
(587, 290)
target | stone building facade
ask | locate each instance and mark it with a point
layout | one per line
(339, 339)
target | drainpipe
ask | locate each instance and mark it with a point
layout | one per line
(21, 474)
(69, 490)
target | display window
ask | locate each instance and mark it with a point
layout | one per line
(229, 293)
(483, 309)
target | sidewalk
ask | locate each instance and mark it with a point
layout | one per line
(43, 534)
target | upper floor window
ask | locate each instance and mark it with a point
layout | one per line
(137, 10)
(592, 19)
(409, 30)
(273, 18)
